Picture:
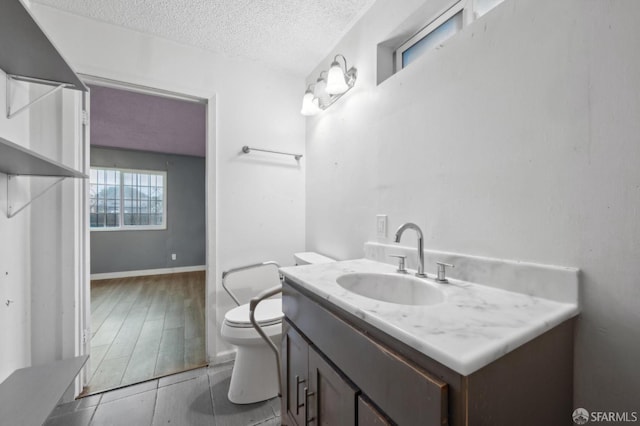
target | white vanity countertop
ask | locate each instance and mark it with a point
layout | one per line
(474, 326)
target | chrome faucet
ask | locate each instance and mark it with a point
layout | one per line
(416, 228)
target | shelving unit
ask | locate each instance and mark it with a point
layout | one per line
(29, 395)
(28, 55)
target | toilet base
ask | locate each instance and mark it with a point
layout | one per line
(255, 376)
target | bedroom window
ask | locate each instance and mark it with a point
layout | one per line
(123, 199)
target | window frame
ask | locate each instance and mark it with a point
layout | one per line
(463, 6)
(122, 226)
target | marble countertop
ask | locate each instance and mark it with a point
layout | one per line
(474, 325)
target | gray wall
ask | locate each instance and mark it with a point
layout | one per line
(118, 251)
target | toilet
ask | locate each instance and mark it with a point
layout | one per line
(255, 377)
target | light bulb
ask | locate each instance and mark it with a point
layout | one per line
(308, 106)
(320, 92)
(336, 82)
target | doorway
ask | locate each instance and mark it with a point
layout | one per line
(147, 203)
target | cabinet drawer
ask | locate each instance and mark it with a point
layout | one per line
(405, 392)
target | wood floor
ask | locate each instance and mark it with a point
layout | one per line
(145, 327)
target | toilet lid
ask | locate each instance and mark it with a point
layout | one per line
(268, 312)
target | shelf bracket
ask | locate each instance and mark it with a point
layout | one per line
(13, 206)
(56, 87)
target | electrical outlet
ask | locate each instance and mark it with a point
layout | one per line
(381, 226)
(173, 256)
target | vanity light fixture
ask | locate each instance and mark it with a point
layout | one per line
(327, 90)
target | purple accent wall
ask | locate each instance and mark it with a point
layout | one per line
(129, 120)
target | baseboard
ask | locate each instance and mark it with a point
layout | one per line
(145, 272)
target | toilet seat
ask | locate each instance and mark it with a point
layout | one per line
(268, 312)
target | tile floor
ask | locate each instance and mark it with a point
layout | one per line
(196, 397)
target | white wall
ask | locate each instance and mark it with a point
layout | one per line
(518, 139)
(257, 200)
(15, 278)
(55, 133)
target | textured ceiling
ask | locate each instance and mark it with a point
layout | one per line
(294, 35)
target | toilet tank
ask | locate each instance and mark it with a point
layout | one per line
(310, 257)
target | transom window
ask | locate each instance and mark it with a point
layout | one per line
(122, 199)
(442, 28)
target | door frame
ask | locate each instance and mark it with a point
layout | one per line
(84, 316)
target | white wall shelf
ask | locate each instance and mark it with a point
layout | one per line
(17, 161)
(29, 395)
(28, 52)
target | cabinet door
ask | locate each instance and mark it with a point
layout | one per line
(295, 352)
(330, 398)
(368, 415)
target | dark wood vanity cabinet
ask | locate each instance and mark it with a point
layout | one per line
(338, 370)
(316, 392)
(320, 366)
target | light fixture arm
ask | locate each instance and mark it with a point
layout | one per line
(335, 59)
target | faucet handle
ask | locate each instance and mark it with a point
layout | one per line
(442, 278)
(401, 264)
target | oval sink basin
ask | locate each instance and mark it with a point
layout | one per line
(391, 288)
